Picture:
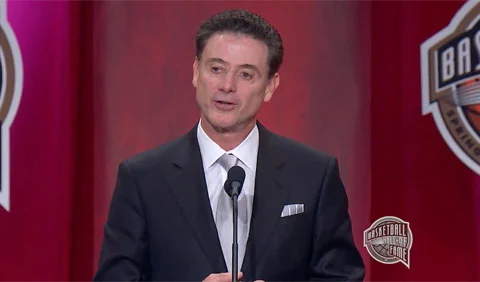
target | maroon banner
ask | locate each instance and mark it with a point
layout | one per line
(105, 80)
(415, 176)
(35, 233)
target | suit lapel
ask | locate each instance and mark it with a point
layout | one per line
(269, 199)
(190, 190)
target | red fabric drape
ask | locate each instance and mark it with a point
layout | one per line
(35, 236)
(107, 79)
(415, 176)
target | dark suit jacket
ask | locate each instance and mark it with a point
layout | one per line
(160, 225)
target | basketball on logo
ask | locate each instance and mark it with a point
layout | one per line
(11, 77)
(451, 83)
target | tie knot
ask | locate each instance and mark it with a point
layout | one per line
(227, 161)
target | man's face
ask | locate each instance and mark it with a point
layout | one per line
(231, 81)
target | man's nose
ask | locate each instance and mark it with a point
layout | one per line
(228, 83)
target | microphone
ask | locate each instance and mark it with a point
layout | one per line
(233, 187)
(235, 178)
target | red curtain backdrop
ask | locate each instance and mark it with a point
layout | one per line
(104, 80)
(415, 176)
(36, 235)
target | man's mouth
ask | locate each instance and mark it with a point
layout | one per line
(224, 105)
(224, 102)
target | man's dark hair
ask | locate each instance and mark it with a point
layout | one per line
(247, 23)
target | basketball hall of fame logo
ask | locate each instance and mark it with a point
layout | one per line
(11, 76)
(450, 67)
(389, 240)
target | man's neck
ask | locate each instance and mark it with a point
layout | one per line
(227, 139)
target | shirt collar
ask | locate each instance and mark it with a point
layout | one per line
(246, 152)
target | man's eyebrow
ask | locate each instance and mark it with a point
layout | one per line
(244, 66)
(216, 60)
(249, 66)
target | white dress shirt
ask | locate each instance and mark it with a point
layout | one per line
(246, 152)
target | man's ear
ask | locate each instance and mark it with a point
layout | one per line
(272, 85)
(195, 72)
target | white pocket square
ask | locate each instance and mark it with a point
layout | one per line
(292, 209)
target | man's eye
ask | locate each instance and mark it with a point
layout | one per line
(246, 75)
(216, 69)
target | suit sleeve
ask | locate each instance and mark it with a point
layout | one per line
(124, 252)
(334, 256)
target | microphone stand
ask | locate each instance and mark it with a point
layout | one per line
(235, 186)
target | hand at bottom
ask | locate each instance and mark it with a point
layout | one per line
(222, 277)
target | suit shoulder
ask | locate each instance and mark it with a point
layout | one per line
(155, 156)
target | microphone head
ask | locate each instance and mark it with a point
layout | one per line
(235, 179)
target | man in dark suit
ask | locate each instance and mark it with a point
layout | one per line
(169, 219)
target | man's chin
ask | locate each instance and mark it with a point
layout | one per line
(231, 127)
(224, 127)
(222, 124)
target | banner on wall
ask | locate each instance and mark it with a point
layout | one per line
(450, 69)
(11, 78)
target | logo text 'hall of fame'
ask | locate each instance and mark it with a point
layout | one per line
(389, 240)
